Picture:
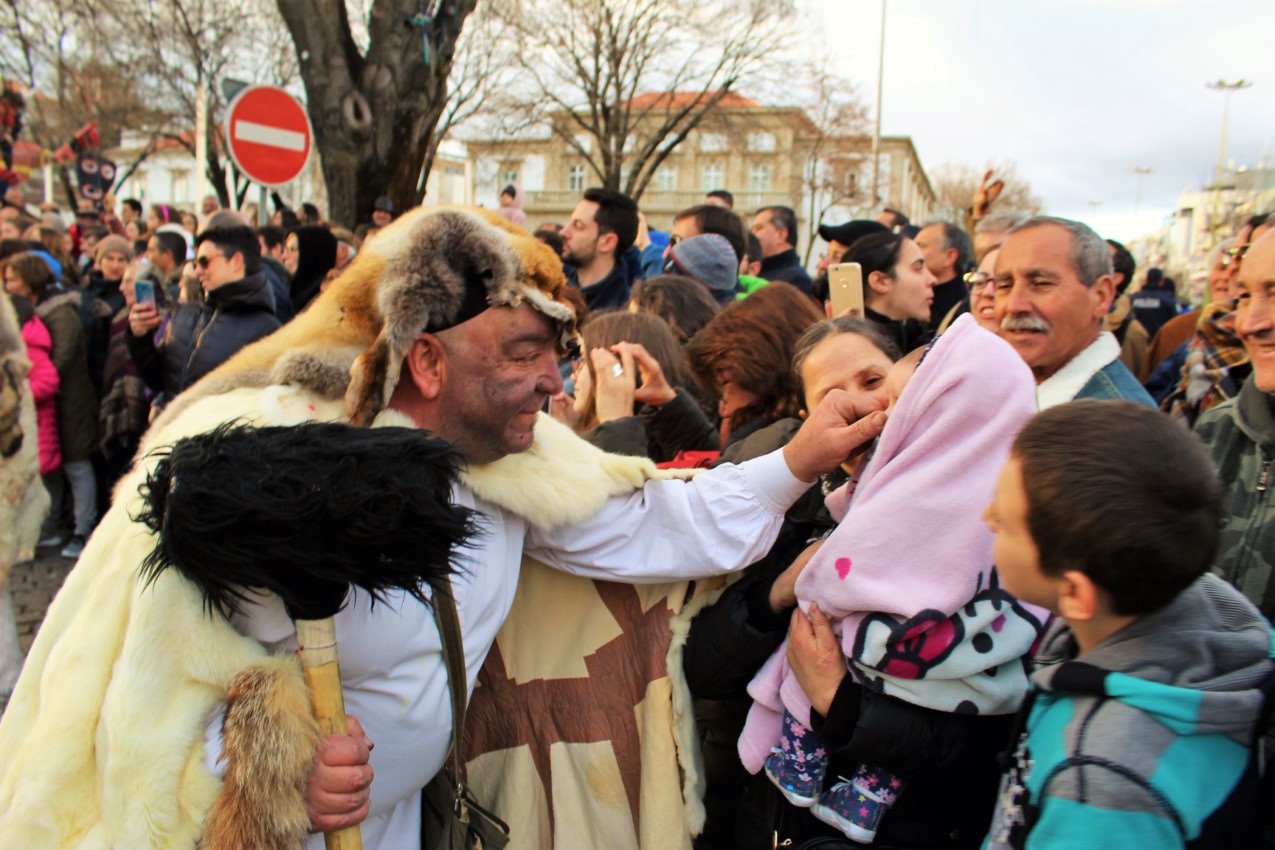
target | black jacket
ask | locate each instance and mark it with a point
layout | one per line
(100, 300)
(610, 293)
(947, 295)
(200, 337)
(908, 334)
(787, 267)
(280, 282)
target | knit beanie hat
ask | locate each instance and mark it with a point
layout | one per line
(113, 245)
(710, 259)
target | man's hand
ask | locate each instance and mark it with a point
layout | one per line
(643, 237)
(338, 792)
(830, 435)
(815, 657)
(986, 194)
(142, 319)
(783, 593)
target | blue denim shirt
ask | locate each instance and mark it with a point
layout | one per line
(1114, 381)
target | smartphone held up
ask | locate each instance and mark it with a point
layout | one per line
(845, 288)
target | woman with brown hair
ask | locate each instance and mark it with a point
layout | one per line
(681, 301)
(634, 394)
(745, 356)
(30, 276)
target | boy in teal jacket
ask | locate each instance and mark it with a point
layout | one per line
(1149, 688)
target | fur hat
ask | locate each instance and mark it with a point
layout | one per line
(431, 269)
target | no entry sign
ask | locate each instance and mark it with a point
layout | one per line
(268, 135)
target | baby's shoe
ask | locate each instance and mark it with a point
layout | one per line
(856, 806)
(798, 764)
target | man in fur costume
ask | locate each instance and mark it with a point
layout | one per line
(141, 721)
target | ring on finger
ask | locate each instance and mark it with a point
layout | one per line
(618, 370)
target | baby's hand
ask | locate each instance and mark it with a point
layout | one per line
(783, 593)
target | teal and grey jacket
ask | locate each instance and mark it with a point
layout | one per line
(1240, 435)
(1137, 743)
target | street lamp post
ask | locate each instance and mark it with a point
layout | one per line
(876, 134)
(1142, 171)
(1225, 88)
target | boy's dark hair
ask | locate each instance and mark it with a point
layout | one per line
(134, 205)
(617, 213)
(754, 249)
(172, 244)
(272, 235)
(724, 195)
(235, 240)
(551, 238)
(1122, 262)
(723, 222)
(1123, 494)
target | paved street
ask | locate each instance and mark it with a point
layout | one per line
(33, 586)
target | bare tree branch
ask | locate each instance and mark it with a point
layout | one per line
(635, 76)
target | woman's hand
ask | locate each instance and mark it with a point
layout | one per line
(142, 319)
(814, 654)
(783, 593)
(613, 388)
(655, 389)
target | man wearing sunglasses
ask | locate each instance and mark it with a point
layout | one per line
(237, 308)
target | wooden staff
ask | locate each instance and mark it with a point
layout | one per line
(306, 512)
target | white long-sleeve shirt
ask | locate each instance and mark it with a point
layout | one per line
(392, 668)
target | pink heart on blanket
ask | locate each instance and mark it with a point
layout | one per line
(843, 567)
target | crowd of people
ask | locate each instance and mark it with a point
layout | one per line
(1009, 585)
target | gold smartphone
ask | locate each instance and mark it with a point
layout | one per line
(845, 288)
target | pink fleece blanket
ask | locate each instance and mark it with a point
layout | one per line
(907, 575)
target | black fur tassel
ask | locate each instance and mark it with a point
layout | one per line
(304, 512)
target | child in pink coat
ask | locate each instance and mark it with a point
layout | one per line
(907, 576)
(43, 378)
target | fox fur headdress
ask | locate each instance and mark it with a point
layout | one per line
(431, 269)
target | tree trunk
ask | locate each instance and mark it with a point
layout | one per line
(373, 114)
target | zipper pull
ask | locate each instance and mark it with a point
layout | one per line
(1261, 478)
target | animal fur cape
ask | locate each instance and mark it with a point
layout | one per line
(102, 744)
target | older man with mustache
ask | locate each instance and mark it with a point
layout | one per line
(1054, 285)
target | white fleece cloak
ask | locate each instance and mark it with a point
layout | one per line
(102, 744)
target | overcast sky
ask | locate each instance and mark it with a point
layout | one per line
(1077, 93)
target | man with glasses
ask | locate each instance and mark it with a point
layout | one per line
(237, 309)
